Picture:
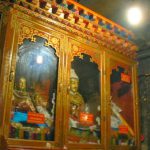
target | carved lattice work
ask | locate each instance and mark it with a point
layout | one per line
(30, 33)
(77, 51)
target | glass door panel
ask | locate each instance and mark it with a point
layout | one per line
(122, 108)
(34, 92)
(84, 98)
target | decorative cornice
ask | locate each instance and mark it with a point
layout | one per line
(70, 21)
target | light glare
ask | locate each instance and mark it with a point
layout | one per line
(50, 10)
(61, 15)
(39, 59)
(134, 15)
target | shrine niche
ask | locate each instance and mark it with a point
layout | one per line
(84, 120)
(122, 117)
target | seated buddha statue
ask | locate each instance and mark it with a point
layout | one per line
(76, 100)
(21, 98)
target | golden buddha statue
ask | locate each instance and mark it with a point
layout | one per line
(76, 100)
(21, 98)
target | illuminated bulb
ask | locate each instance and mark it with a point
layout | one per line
(39, 59)
(134, 15)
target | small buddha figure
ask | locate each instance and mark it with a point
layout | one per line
(22, 100)
(41, 107)
(76, 100)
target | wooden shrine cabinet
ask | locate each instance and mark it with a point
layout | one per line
(62, 88)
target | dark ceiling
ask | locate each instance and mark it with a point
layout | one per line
(115, 10)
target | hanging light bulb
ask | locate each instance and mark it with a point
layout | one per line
(134, 15)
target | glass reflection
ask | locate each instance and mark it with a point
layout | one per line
(84, 120)
(34, 94)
